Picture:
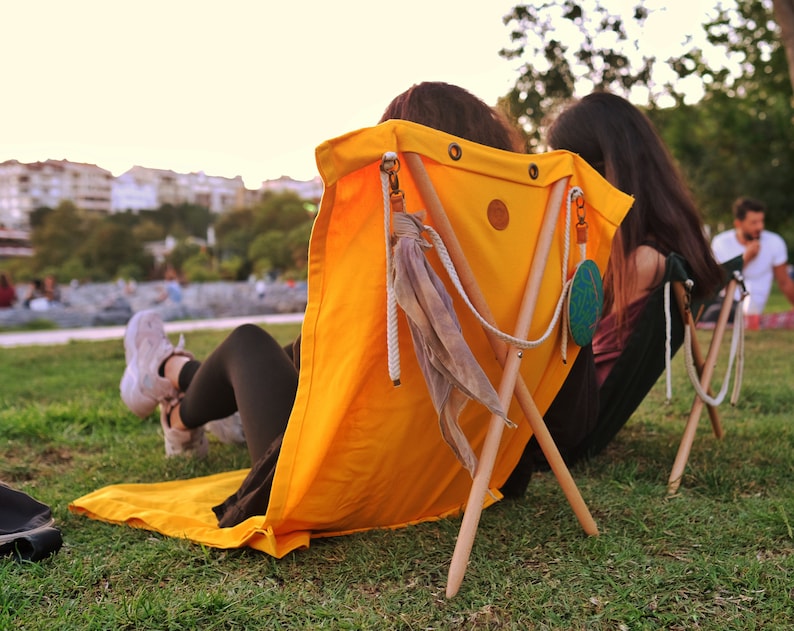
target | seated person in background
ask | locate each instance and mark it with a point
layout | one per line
(621, 143)
(764, 254)
(34, 293)
(51, 290)
(172, 290)
(8, 294)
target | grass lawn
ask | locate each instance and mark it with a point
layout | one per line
(716, 556)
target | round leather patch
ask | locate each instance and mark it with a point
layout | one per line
(498, 215)
(585, 302)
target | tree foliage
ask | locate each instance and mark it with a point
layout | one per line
(738, 139)
(567, 45)
(272, 236)
(70, 243)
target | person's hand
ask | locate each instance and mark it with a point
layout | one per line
(751, 250)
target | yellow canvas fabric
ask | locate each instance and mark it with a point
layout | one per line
(360, 453)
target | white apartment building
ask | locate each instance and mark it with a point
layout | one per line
(27, 186)
(14, 243)
(142, 188)
(133, 192)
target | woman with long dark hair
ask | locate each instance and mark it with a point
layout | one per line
(621, 143)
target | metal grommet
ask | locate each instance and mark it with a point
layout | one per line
(533, 171)
(454, 151)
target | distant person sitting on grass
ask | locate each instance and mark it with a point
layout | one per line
(35, 298)
(172, 290)
(52, 292)
(8, 294)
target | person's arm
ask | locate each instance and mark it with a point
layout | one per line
(751, 250)
(648, 264)
(784, 281)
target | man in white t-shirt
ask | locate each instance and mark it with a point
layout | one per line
(764, 253)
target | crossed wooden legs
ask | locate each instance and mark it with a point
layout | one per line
(705, 368)
(510, 359)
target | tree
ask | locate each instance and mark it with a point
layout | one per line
(784, 15)
(273, 234)
(569, 44)
(61, 233)
(738, 140)
(571, 47)
(109, 248)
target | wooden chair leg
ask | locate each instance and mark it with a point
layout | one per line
(510, 379)
(685, 447)
(697, 354)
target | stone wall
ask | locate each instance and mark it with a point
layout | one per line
(102, 304)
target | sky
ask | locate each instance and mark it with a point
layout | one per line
(240, 87)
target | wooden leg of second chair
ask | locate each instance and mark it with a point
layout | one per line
(685, 447)
(714, 415)
(697, 353)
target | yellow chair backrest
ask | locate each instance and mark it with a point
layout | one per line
(360, 453)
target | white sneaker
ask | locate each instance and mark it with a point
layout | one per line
(146, 347)
(182, 442)
(228, 430)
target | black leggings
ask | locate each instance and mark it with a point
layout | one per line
(250, 372)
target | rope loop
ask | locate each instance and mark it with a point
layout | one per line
(736, 353)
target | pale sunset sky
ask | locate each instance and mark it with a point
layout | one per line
(242, 87)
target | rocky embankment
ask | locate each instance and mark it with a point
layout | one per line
(105, 304)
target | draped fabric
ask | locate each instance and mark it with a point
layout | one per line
(360, 453)
(450, 369)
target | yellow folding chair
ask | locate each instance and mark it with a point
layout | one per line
(359, 451)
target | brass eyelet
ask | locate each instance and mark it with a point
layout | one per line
(534, 172)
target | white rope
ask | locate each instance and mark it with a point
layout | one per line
(737, 382)
(737, 348)
(392, 338)
(668, 353)
(392, 335)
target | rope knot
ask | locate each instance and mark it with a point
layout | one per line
(410, 226)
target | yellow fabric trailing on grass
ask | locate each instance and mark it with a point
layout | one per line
(358, 452)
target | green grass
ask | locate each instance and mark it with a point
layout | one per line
(716, 556)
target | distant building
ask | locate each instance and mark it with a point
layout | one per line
(310, 190)
(27, 186)
(142, 188)
(133, 192)
(14, 243)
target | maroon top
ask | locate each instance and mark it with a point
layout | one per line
(8, 296)
(609, 342)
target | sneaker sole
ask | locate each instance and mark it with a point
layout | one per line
(129, 384)
(130, 334)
